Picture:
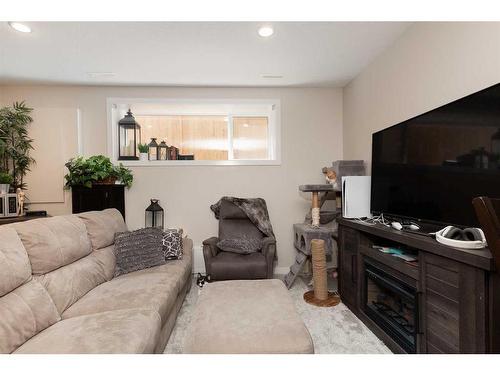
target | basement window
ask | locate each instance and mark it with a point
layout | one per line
(204, 132)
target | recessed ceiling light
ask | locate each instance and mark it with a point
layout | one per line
(266, 31)
(21, 27)
(271, 76)
(101, 74)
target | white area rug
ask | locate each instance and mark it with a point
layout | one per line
(334, 330)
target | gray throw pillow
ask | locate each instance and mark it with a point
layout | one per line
(138, 249)
(172, 244)
(240, 245)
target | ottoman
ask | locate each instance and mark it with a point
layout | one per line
(247, 317)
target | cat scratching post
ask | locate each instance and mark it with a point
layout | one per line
(315, 207)
(320, 296)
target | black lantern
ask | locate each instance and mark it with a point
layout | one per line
(163, 151)
(129, 135)
(153, 149)
(154, 215)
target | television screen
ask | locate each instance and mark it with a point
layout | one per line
(430, 167)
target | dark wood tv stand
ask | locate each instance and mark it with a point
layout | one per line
(457, 292)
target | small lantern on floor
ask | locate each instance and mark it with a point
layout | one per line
(153, 149)
(154, 216)
(129, 136)
(163, 151)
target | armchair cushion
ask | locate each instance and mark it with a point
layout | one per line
(229, 210)
(231, 266)
(240, 245)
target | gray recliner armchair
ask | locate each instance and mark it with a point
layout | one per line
(225, 265)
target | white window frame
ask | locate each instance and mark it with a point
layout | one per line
(274, 129)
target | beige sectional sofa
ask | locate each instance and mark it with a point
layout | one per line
(58, 293)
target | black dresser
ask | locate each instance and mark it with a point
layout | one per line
(98, 197)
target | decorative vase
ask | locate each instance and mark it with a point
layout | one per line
(143, 156)
(4, 188)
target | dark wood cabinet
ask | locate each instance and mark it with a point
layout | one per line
(98, 197)
(457, 297)
(454, 306)
(348, 259)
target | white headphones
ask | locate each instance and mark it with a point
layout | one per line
(469, 238)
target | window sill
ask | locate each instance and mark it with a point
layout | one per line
(193, 163)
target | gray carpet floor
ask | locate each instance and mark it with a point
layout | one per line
(334, 330)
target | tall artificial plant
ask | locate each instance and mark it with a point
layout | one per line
(15, 144)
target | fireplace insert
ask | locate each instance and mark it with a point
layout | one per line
(392, 305)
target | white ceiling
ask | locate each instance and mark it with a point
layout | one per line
(192, 53)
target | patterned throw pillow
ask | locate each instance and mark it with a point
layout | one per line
(240, 245)
(138, 249)
(172, 244)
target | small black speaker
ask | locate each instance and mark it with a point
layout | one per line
(36, 213)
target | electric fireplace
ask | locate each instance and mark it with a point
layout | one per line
(392, 305)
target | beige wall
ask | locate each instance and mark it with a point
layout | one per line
(311, 127)
(430, 65)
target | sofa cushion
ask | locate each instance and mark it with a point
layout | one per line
(177, 270)
(138, 249)
(154, 288)
(24, 312)
(53, 242)
(15, 268)
(102, 226)
(68, 284)
(152, 291)
(124, 331)
(172, 243)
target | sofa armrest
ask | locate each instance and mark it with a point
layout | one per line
(269, 251)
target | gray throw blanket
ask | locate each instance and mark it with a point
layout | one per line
(254, 208)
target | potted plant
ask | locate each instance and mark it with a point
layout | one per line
(143, 151)
(5, 182)
(96, 170)
(15, 144)
(123, 175)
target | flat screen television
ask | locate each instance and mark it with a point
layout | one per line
(430, 167)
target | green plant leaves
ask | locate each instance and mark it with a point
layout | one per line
(96, 168)
(6, 178)
(15, 144)
(143, 147)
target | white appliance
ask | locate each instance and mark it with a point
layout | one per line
(356, 196)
